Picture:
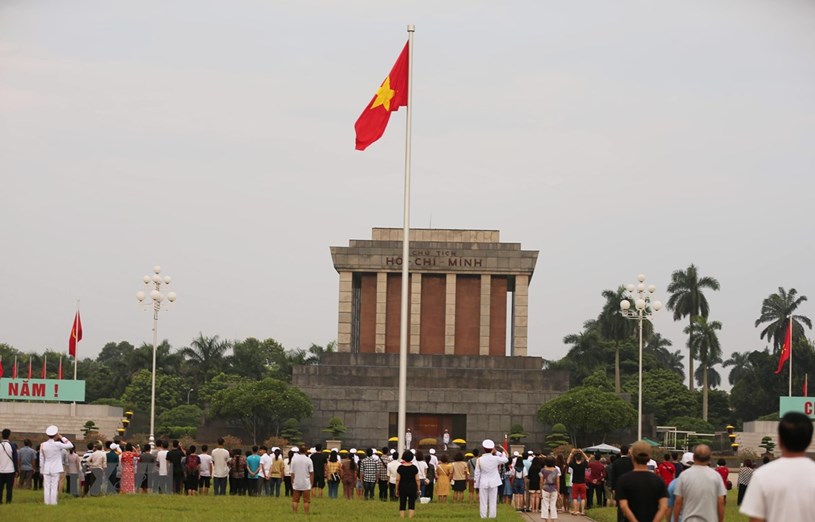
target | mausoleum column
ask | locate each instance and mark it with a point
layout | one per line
(344, 319)
(520, 315)
(415, 316)
(381, 309)
(484, 330)
(450, 316)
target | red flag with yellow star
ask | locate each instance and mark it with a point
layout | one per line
(392, 94)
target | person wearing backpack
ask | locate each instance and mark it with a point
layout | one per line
(549, 481)
(191, 466)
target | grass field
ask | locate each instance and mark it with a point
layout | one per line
(28, 506)
(731, 512)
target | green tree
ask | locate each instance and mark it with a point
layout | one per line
(599, 380)
(692, 424)
(261, 406)
(205, 355)
(706, 345)
(688, 300)
(615, 328)
(171, 391)
(657, 347)
(183, 415)
(663, 394)
(291, 431)
(740, 361)
(714, 379)
(254, 358)
(588, 412)
(557, 437)
(776, 311)
(757, 392)
(719, 412)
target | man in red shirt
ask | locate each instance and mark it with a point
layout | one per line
(596, 485)
(666, 470)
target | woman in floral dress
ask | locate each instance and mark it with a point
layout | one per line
(127, 483)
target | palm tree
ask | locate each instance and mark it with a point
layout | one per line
(658, 347)
(614, 327)
(706, 345)
(777, 310)
(205, 355)
(714, 379)
(742, 366)
(687, 299)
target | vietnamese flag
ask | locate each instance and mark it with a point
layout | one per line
(392, 94)
(29, 366)
(14, 370)
(76, 335)
(1, 366)
(59, 372)
(43, 366)
(786, 350)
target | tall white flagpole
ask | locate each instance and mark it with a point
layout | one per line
(403, 325)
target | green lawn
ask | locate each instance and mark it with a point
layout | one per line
(731, 512)
(28, 505)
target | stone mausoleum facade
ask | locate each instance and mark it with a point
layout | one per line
(467, 342)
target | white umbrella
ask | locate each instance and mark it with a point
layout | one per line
(602, 448)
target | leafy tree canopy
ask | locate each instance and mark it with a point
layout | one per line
(587, 412)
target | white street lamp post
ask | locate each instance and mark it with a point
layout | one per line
(644, 308)
(157, 297)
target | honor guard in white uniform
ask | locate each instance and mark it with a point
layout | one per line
(51, 463)
(488, 477)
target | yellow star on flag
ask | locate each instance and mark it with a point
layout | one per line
(384, 95)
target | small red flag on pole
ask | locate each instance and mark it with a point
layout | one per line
(1, 366)
(29, 366)
(76, 335)
(14, 370)
(392, 94)
(806, 377)
(59, 372)
(786, 350)
(44, 362)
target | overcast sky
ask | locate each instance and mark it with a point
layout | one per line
(216, 139)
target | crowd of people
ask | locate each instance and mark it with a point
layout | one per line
(681, 486)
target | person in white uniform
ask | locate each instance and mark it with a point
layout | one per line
(488, 478)
(51, 463)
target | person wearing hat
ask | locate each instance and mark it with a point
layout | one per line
(488, 477)
(433, 458)
(641, 494)
(445, 439)
(51, 463)
(408, 438)
(699, 492)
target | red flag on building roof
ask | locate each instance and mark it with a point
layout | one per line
(392, 94)
(786, 350)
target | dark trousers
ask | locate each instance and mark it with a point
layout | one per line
(392, 491)
(742, 491)
(178, 483)
(219, 485)
(383, 490)
(369, 489)
(287, 485)
(595, 491)
(7, 483)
